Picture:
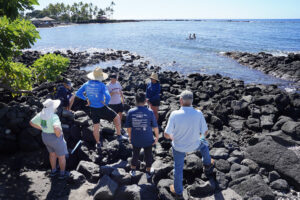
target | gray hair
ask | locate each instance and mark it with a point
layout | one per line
(187, 97)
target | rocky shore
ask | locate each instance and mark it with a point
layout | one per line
(254, 136)
(285, 67)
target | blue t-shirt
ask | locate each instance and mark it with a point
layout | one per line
(141, 120)
(96, 92)
(153, 91)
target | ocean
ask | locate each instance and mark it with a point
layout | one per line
(165, 43)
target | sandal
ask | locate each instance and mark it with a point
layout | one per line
(177, 196)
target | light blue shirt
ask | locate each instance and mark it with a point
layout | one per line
(185, 127)
(96, 92)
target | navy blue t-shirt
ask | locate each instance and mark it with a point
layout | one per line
(64, 95)
(141, 120)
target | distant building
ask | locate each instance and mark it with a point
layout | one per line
(43, 22)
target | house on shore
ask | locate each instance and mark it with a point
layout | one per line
(43, 22)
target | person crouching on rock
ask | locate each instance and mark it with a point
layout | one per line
(52, 136)
(98, 97)
(187, 129)
(117, 99)
(64, 93)
(152, 94)
(139, 122)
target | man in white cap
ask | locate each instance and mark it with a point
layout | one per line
(98, 97)
(48, 122)
(187, 129)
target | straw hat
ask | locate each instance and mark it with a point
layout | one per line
(154, 76)
(97, 75)
(49, 108)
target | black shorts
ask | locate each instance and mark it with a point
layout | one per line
(155, 102)
(102, 113)
(118, 108)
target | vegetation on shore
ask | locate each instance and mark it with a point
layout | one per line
(17, 34)
(78, 12)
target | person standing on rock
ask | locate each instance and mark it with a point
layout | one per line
(64, 94)
(98, 97)
(117, 99)
(187, 129)
(48, 122)
(153, 94)
(139, 123)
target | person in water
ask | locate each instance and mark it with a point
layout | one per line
(194, 36)
(98, 97)
(139, 123)
(153, 94)
(48, 122)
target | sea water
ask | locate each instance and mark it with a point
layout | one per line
(165, 43)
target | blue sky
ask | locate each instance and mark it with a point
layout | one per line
(197, 9)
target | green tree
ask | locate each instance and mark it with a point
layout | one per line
(50, 66)
(12, 8)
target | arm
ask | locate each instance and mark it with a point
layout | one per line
(107, 96)
(57, 131)
(80, 92)
(167, 136)
(35, 126)
(122, 96)
(156, 135)
(170, 127)
(129, 134)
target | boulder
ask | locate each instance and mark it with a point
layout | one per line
(219, 153)
(292, 128)
(201, 189)
(148, 191)
(222, 165)
(238, 171)
(129, 192)
(163, 187)
(280, 185)
(272, 155)
(222, 181)
(77, 178)
(193, 164)
(252, 185)
(90, 170)
(240, 108)
(253, 166)
(161, 170)
(267, 121)
(121, 176)
(105, 189)
(273, 176)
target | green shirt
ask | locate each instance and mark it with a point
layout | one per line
(47, 125)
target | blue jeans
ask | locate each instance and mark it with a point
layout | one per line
(179, 163)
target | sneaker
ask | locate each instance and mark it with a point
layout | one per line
(121, 137)
(53, 173)
(123, 132)
(64, 176)
(149, 175)
(132, 172)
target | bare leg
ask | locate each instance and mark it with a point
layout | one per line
(96, 133)
(71, 102)
(155, 110)
(62, 163)
(52, 158)
(120, 115)
(117, 123)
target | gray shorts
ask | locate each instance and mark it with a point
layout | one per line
(55, 144)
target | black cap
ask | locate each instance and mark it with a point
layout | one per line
(113, 76)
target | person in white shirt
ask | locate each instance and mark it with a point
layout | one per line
(117, 98)
(187, 129)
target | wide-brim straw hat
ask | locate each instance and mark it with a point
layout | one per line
(49, 108)
(97, 75)
(154, 76)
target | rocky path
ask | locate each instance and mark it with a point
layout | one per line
(254, 136)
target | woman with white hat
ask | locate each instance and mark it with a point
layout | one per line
(153, 94)
(98, 97)
(48, 122)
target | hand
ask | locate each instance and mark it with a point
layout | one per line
(155, 141)
(88, 102)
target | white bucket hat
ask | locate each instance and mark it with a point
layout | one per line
(154, 76)
(49, 108)
(97, 75)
